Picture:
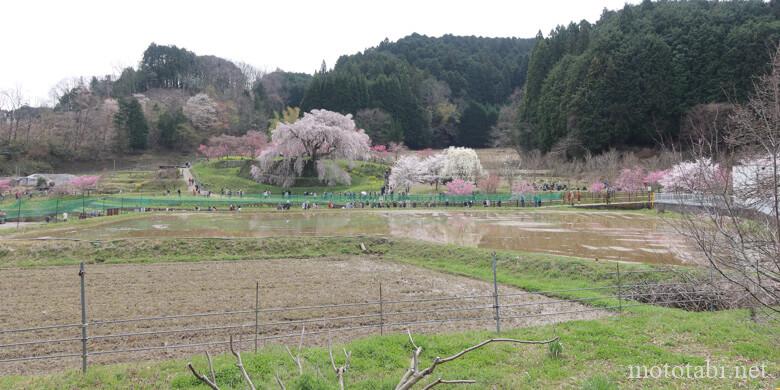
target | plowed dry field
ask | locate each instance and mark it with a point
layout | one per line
(129, 307)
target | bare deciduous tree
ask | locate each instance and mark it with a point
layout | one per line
(297, 357)
(737, 227)
(12, 100)
(414, 374)
(212, 382)
(339, 370)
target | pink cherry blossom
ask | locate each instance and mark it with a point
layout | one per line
(695, 176)
(489, 184)
(320, 134)
(597, 186)
(523, 187)
(5, 185)
(654, 177)
(84, 183)
(631, 179)
(248, 145)
(460, 187)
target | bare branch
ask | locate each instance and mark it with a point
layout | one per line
(499, 340)
(203, 378)
(279, 382)
(240, 364)
(341, 369)
(448, 382)
(409, 332)
(300, 343)
(211, 368)
(297, 357)
(413, 375)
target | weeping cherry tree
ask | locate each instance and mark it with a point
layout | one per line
(310, 147)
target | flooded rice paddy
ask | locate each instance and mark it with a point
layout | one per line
(626, 236)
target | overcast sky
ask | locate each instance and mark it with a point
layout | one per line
(47, 41)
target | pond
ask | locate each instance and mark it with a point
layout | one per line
(629, 236)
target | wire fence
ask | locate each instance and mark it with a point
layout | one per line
(142, 337)
(86, 206)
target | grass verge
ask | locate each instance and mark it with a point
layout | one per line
(596, 353)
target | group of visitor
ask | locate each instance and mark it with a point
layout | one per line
(229, 193)
(168, 192)
(534, 201)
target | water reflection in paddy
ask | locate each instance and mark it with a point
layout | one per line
(609, 235)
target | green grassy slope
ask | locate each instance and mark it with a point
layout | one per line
(228, 174)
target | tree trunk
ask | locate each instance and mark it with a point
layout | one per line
(309, 169)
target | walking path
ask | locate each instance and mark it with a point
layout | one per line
(186, 174)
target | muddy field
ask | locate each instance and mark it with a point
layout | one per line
(48, 296)
(616, 235)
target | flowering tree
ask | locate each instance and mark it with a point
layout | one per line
(523, 187)
(330, 173)
(754, 181)
(380, 152)
(252, 143)
(249, 145)
(462, 163)
(453, 163)
(406, 172)
(5, 185)
(216, 151)
(84, 183)
(631, 179)
(653, 178)
(202, 111)
(739, 233)
(489, 184)
(597, 186)
(695, 176)
(431, 169)
(425, 153)
(396, 148)
(460, 187)
(297, 148)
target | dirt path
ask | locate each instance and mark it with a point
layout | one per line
(40, 297)
(186, 174)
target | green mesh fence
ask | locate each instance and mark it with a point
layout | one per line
(40, 208)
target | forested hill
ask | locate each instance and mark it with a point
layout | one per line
(425, 91)
(633, 78)
(630, 78)
(171, 102)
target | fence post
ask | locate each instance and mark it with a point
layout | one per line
(495, 295)
(19, 213)
(619, 296)
(712, 286)
(257, 312)
(83, 320)
(381, 312)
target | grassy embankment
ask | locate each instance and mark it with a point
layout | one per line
(596, 354)
(234, 175)
(140, 182)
